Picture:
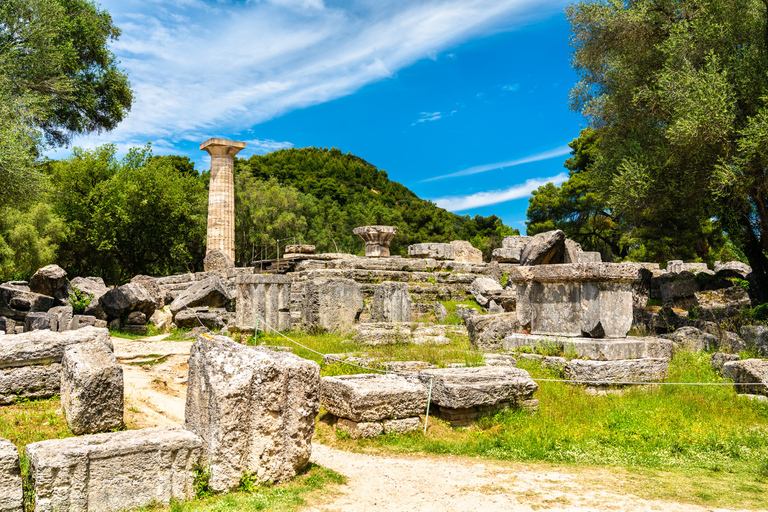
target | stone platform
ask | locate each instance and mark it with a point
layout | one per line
(599, 349)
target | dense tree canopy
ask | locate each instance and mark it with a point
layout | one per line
(678, 90)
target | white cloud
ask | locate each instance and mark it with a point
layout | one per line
(546, 155)
(233, 65)
(511, 87)
(428, 116)
(262, 147)
(467, 202)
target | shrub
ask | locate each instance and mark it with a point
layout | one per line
(79, 300)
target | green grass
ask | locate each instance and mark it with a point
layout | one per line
(151, 331)
(705, 440)
(458, 351)
(31, 421)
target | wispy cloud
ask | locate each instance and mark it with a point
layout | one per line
(262, 147)
(197, 66)
(428, 116)
(467, 202)
(511, 87)
(546, 155)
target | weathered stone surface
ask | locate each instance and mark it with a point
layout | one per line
(136, 318)
(461, 388)
(29, 382)
(45, 347)
(217, 260)
(254, 409)
(80, 321)
(331, 304)
(15, 303)
(486, 332)
(220, 234)
(678, 266)
(60, 318)
(391, 303)
(435, 251)
(91, 388)
(481, 287)
(153, 288)
(300, 249)
(7, 325)
(504, 255)
(388, 333)
(751, 373)
(600, 373)
(693, 339)
(515, 242)
(11, 492)
(465, 313)
(465, 252)
(499, 360)
(573, 252)
(372, 397)
(544, 248)
(441, 313)
(264, 299)
(161, 319)
(24, 285)
(756, 338)
(214, 319)
(401, 426)
(599, 349)
(680, 293)
(37, 322)
(90, 285)
(738, 268)
(209, 292)
(732, 297)
(377, 239)
(360, 430)
(50, 280)
(718, 359)
(114, 471)
(592, 299)
(121, 301)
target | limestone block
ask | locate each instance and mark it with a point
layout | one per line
(114, 471)
(481, 287)
(93, 286)
(435, 251)
(211, 292)
(161, 319)
(152, 287)
(360, 430)
(590, 257)
(674, 266)
(91, 388)
(440, 311)
(37, 322)
(462, 388)
(300, 249)
(756, 338)
(465, 252)
(731, 297)
(50, 280)
(515, 242)
(499, 360)
(736, 268)
(598, 349)
(679, 293)
(718, 359)
(45, 347)
(372, 397)
(217, 260)
(7, 325)
(214, 319)
(331, 304)
(29, 382)
(544, 248)
(254, 409)
(600, 373)
(80, 321)
(573, 252)
(486, 332)
(693, 339)
(16, 303)
(264, 299)
(504, 255)
(401, 426)
(121, 301)
(748, 372)
(60, 317)
(11, 492)
(391, 302)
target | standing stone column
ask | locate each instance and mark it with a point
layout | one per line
(221, 195)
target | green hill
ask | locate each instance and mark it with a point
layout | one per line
(341, 191)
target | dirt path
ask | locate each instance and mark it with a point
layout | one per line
(155, 396)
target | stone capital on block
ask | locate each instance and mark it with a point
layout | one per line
(222, 147)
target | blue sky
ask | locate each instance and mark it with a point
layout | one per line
(465, 102)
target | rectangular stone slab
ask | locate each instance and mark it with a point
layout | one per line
(11, 493)
(600, 373)
(114, 471)
(30, 382)
(602, 349)
(254, 409)
(45, 347)
(373, 397)
(463, 388)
